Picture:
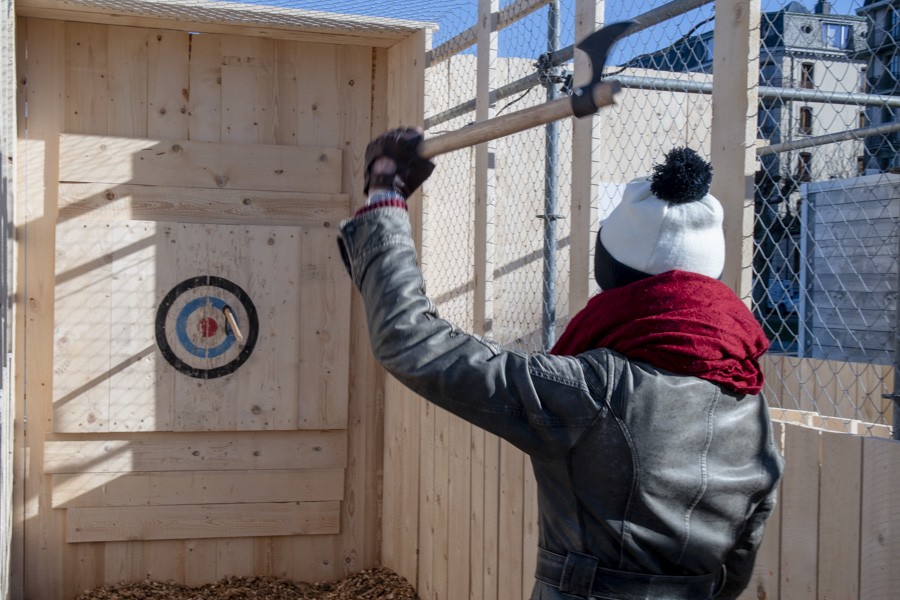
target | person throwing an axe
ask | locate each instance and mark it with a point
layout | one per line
(650, 441)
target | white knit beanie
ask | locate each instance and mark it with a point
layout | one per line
(668, 221)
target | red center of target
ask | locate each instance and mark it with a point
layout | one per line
(208, 327)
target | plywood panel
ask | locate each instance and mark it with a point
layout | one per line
(201, 521)
(195, 487)
(181, 163)
(199, 452)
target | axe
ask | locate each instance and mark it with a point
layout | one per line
(586, 100)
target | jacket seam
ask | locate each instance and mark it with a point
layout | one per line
(635, 459)
(704, 474)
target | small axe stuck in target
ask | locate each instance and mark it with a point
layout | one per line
(586, 100)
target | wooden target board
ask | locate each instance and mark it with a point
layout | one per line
(185, 309)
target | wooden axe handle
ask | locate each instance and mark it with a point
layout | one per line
(499, 127)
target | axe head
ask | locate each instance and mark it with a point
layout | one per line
(598, 44)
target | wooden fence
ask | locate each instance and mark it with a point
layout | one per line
(460, 510)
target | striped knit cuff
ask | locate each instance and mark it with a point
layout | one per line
(397, 202)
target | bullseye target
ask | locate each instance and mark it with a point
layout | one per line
(206, 327)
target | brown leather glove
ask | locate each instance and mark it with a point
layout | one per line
(400, 145)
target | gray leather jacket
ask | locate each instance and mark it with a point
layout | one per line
(648, 483)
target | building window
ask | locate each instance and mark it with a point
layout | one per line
(710, 49)
(863, 119)
(863, 84)
(807, 75)
(894, 66)
(766, 121)
(804, 167)
(887, 114)
(836, 36)
(806, 119)
(767, 74)
(860, 165)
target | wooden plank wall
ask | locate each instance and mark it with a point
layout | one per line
(835, 531)
(311, 473)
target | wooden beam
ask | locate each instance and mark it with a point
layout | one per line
(880, 531)
(231, 18)
(201, 521)
(508, 15)
(226, 451)
(800, 514)
(733, 145)
(79, 490)
(485, 178)
(43, 66)
(113, 202)
(839, 515)
(181, 163)
(585, 176)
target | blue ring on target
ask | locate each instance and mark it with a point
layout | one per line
(185, 340)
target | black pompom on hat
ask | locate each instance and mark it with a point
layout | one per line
(683, 177)
(665, 222)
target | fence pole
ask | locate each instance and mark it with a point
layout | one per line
(551, 186)
(585, 141)
(733, 146)
(895, 395)
(484, 170)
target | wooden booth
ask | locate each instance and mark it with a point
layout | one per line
(195, 395)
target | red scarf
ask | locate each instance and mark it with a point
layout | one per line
(682, 322)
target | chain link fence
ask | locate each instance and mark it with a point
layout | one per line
(825, 241)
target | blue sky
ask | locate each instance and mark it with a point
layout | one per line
(528, 37)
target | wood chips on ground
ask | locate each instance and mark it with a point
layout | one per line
(372, 584)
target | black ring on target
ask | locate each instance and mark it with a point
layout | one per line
(208, 281)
